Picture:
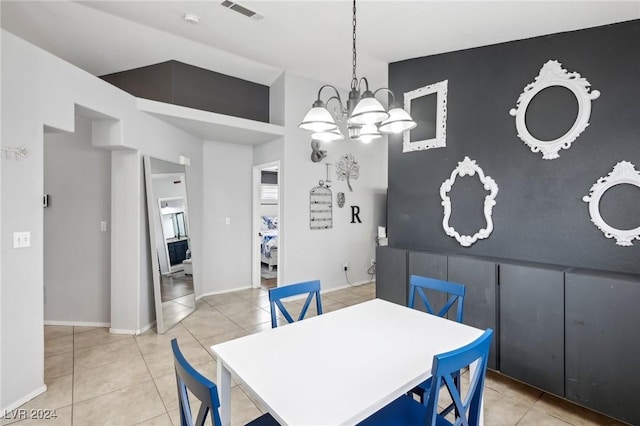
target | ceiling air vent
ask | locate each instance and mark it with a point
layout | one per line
(236, 7)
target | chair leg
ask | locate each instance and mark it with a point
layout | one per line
(458, 385)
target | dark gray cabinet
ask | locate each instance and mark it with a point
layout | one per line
(532, 325)
(573, 333)
(177, 251)
(603, 342)
(481, 298)
(431, 265)
(391, 274)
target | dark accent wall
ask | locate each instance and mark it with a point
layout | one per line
(539, 215)
(186, 85)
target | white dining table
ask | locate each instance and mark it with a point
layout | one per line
(340, 367)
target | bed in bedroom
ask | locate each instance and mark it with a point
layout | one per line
(269, 241)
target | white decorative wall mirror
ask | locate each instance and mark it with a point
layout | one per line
(552, 74)
(429, 105)
(623, 173)
(470, 168)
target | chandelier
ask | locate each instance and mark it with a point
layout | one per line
(366, 118)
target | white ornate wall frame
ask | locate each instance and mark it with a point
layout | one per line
(470, 168)
(623, 173)
(552, 74)
(440, 89)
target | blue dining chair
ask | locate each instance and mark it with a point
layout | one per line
(418, 284)
(187, 378)
(456, 292)
(407, 411)
(277, 294)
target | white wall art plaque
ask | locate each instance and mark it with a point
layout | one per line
(552, 74)
(468, 167)
(623, 173)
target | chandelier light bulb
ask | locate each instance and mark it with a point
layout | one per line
(368, 133)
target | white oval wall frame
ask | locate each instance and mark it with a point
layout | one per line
(552, 74)
(623, 173)
(469, 167)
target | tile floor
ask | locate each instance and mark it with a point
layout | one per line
(97, 378)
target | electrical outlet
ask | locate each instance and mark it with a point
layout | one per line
(345, 266)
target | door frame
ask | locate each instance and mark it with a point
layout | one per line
(255, 223)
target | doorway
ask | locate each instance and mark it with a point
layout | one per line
(266, 225)
(76, 227)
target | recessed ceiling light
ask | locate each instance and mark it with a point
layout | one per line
(191, 18)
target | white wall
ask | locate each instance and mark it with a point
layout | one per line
(2, 235)
(227, 194)
(319, 254)
(40, 89)
(77, 178)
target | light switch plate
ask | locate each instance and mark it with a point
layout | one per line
(21, 239)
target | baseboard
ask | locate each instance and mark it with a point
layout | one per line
(102, 325)
(6, 412)
(356, 284)
(147, 327)
(213, 293)
(77, 323)
(122, 331)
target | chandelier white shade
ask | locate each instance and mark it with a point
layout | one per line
(318, 119)
(399, 121)
(366, 117)
(328, 135)
(368, 133)
(368, 111)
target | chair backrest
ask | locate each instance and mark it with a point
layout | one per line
(201, 387)
(444, 368)
(277, 294)
(456, 292)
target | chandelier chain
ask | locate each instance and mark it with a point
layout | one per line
(354, 78)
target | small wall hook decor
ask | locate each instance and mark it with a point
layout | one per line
(18, 152)
(316, 153)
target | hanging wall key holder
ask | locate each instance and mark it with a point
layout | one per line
(320, 207)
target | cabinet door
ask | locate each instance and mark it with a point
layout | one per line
(480, 301)
(532, 325)
(391, 274)
(171, 248)
(181, 250)
(431, 265)
(602, 343)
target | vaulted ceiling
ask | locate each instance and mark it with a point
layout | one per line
(311, 38)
